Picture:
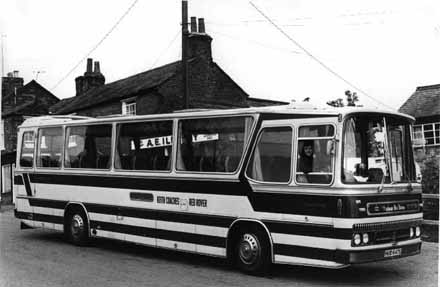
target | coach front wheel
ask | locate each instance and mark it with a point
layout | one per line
(252, 252)
(77, 228)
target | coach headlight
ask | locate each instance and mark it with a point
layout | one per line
(365, 238)
(411, 232)
(357, 239)
(418, 231)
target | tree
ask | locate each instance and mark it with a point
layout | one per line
(351, 98)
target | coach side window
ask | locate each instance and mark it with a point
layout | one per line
(315, 154)
(88, 147)
(272, 156)
(144, 146)
(212, 144)
(27, 150)
(50, 146)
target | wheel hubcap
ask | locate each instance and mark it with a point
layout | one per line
(249, 249)
(77, 226)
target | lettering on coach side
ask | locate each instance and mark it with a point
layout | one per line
(196, 202)
(167, 200)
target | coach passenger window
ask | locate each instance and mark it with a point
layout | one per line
(315, 152)
(50, 146)
(27, 150)
(272, 156)
(88, 146)
(144, 146)
(212, 144)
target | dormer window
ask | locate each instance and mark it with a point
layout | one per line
(129, 107)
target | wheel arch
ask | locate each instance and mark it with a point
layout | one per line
(235, 227)
(71, 205)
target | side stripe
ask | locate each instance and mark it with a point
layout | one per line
(235, 188)
(40, 217)
(27, 183)
(314, 230)
(50, 203)
(160, 233)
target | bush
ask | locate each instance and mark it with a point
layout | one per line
(430, 175)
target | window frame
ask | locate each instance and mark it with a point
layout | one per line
(257, 140)
(33, 153)
(245, 144)
(115, 146)
(65, 142)
(333, 158)
(423, 130)
(38, 148)
(126, 104)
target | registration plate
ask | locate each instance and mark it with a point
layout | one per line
(392, 252)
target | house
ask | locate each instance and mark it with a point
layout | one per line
(160, 90)
(424, 105)
(18, 103)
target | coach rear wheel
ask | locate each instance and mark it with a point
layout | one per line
(77, 228)
(252, 252)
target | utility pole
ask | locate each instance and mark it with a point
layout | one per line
(2, 140)
(3, 58)
(185, 34)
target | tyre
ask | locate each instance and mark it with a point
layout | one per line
(77, 228)
(252, 251)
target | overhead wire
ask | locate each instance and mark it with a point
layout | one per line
(113, 27)
(255, 42)
(166, 49)
(316, 59)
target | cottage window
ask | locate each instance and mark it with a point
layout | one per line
(426, 134)
(129, 108)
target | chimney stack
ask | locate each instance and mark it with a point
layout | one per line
(199, 43)
(97, 69)
(89, 65)
(91, 78)
(193, 25)
(202, 25)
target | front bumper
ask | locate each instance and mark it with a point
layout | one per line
(363, 256)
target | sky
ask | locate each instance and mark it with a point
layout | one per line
(318, 49)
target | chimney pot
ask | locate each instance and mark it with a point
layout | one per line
(97, 69)
(193, 25)
(15, 74)
(201, 25)
(89, 65)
